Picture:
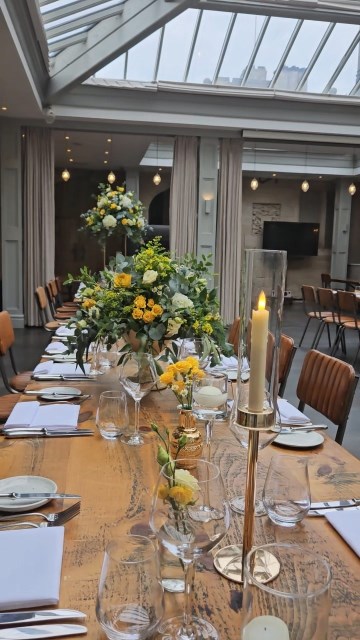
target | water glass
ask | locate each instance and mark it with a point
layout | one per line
(112, 417)
(295, 605)
(130, 597)
(195, 347)
(286, 494)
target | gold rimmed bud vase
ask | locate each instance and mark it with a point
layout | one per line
(194, 445)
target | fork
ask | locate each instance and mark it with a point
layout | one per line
(52, 519)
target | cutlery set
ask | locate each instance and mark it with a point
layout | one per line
(43, 432)
(34, 624)
(322, 508)
(51, 520)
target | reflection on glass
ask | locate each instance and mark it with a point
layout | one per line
(241, 44)
(176, 46)
(329, 58)
(208, 45)
(301, 53)
(348, 77)
(271, 49)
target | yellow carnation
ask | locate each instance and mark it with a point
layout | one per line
(122, 280)
(183, 366)
(179, 385)
(151, 303)
(163, 491)
(113, 205)
(167, 377)
(140, 302)
(137, 314)
(157, 309)
(124, 221)
(183, 495)
(88, 303)
(148, 316)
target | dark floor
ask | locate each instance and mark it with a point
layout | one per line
(30, 344)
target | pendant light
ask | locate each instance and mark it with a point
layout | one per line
(352, 187)
(111, 175)
(157, 176)
(65, 175)
(254, 182)
(305, 185)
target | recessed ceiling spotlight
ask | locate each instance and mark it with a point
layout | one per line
(71, 160)
(105, 161)
(3, 108)
(67, 137)
(106, 153)
(274, 175)
(68, 150)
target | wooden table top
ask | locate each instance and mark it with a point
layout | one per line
(116, 483)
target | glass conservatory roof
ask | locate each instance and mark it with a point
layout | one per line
(234, 47)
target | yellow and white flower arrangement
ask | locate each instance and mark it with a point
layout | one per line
(179, 377)
(116, 211)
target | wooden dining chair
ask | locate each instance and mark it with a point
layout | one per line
(44, 312)
(348, 305)
(17, 382)
(311, 308)
(233, 335)
(327, 385)
(286, 356)
(329, 312)
(58, 313)
(60, 303)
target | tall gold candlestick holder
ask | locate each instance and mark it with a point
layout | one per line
(253, 419)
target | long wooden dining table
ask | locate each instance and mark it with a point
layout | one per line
(116, 482)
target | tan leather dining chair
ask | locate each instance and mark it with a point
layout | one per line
(286, 356)
(327, 385)
(348, 304)
(17, 382)
(312, 311)
(44, 313)
(58, 313)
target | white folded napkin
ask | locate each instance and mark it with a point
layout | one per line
(347, 524)
(51, 368)
(225, 363)
(43, 368)
(56, 347)
(290, 414)
(64, 331)
(30, 561)
(54, 416)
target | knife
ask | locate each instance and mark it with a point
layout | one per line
(42, 631)
(52, 496)
(39, 616)
(45, 433)
(334, 504)
(39, 392)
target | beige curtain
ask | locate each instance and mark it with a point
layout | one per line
(184, 196)
(228, 234)
(39, 216)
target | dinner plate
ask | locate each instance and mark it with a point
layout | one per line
(59, 393)
(299, 440)
(25, 484)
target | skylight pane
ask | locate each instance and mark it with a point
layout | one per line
(241, 44)
(271, 49)
(208, 45)
(83, 13)
(114, 70)
(301, 52)
(348, 77)
(176, 45)
(141, 59)
(330, 57)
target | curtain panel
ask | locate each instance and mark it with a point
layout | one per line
(228, 231)
(39, 216)
(184, 196)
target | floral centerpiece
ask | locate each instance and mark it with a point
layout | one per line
(116, 211)
(151, 297)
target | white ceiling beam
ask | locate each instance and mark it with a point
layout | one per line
(69, 9)
(328, 10)
(59, 45)
(109, 39)
(83, 21)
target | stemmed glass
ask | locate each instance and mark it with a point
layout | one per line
(210, 396)
(194, 347)
(138, 376)
(189, 516)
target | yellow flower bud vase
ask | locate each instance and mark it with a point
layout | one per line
(194, 446)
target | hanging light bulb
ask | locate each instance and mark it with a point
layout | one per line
(157, 179)
(111, 177)
(65, 175)
(305, 186)
(254, 184)
(352, 189)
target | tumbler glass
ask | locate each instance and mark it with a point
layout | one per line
(286, 494)
(112, 417)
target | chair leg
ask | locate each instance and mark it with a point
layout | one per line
(317, 335)
(303, 335)
(339, 335)
(329, 336)
(340, 433)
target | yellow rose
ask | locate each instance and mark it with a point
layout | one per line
(90, 220)
(157, 309)
(150, 303)
(148, 316)
(137, 314)
(167, 377)
(102, 212)
(140, 302)
(183, 366)
(120, 189)
(122, 280)
(113, 205)
(124, 221)
(88, 303)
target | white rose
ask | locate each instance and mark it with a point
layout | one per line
(180, 301)
(149, 276)
(173, 327)
(126, 202)
(183, 478)
(102, 202)
(109, 221)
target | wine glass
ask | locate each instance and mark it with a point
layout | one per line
(138, 376)
(210, 396)
(189, 516)
(195, 347)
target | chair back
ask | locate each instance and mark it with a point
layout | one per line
(328, 302)
(326, 280)
(233, 335)
(348, 304)
(310, 299)
(286, 356)
(327, 385)
(7, 336)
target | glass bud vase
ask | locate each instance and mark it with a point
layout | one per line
(194, 446)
